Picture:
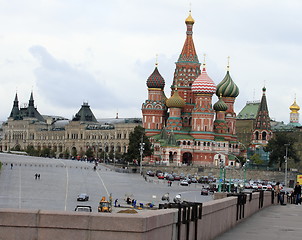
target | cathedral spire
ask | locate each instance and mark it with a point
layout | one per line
(15, 113)
(188, 53)
(263, 119)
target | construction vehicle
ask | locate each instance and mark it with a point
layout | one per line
(104, 205)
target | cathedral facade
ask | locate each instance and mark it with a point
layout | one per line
(186, 128)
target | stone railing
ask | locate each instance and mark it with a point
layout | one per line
(210, 220)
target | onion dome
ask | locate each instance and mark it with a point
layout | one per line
(175, 101)
(227, 88)
(203, 84)
(155, 80)
(294, 107)
(220, 105)
(189, 19)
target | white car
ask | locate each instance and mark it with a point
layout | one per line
(184, 183)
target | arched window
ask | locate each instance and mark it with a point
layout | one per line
(257, 135)
(264, 136)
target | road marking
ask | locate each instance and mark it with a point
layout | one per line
(20, 188)
(103, 183)
(66, 188)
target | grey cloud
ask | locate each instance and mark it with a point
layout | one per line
(67, 86)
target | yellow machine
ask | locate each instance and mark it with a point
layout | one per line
(104, 205)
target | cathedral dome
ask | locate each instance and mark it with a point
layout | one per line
(175, 101)
(227, 88)
(155, 80)
(203, 84)
(294, 107)
(189, 19)
(220, 105)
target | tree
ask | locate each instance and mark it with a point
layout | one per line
(135, 138)
(277, 148)
(89, 153)
(256, 159)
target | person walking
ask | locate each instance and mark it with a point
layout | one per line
(277, 189)
(36, 176)
(11, 166)
(297, 193)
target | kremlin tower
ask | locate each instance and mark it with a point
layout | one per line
(186, 128)
(294, 114)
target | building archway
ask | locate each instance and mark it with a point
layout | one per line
(187, 158)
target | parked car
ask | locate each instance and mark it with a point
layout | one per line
(83, 197)
(184, 183)
(170, 177)
(83, 209)
(150, 173)
(193, 180)
(160, 176)
(269, 187)
(176, 177)
(204, 191)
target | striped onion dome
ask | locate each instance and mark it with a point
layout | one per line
(203, 84)
(220, 105)
(155, 80)
(227, 88)
(175, 101)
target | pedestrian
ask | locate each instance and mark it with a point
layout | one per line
(36, 176)
(115, 202)
(277, 189)
(11, 166)
(39, 176)
(297, 193)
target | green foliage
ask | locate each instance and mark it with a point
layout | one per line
(277, 148)
(256, 159)
(135, 138)
(16, 148)
(74, 152)
(66, 154)
(89, 153)
(45, 152)
(32, 151)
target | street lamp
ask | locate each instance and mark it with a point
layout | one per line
(141, 148)
(221, 166)
(286, 149)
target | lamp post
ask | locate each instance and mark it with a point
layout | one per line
(220, 175)
(286, 149)
(141, 148)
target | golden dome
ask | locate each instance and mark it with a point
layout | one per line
(294, 107)
(189, 19)
(175, 101)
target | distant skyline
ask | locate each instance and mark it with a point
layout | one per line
(102, 52)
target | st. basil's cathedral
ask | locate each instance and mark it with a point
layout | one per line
(186, 129)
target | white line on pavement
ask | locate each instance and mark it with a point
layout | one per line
(103, 183)
(66, 188)
(20, 190)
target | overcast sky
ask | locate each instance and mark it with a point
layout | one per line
(102, 52)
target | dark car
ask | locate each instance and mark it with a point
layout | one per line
(204, 191)
(83, 197)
